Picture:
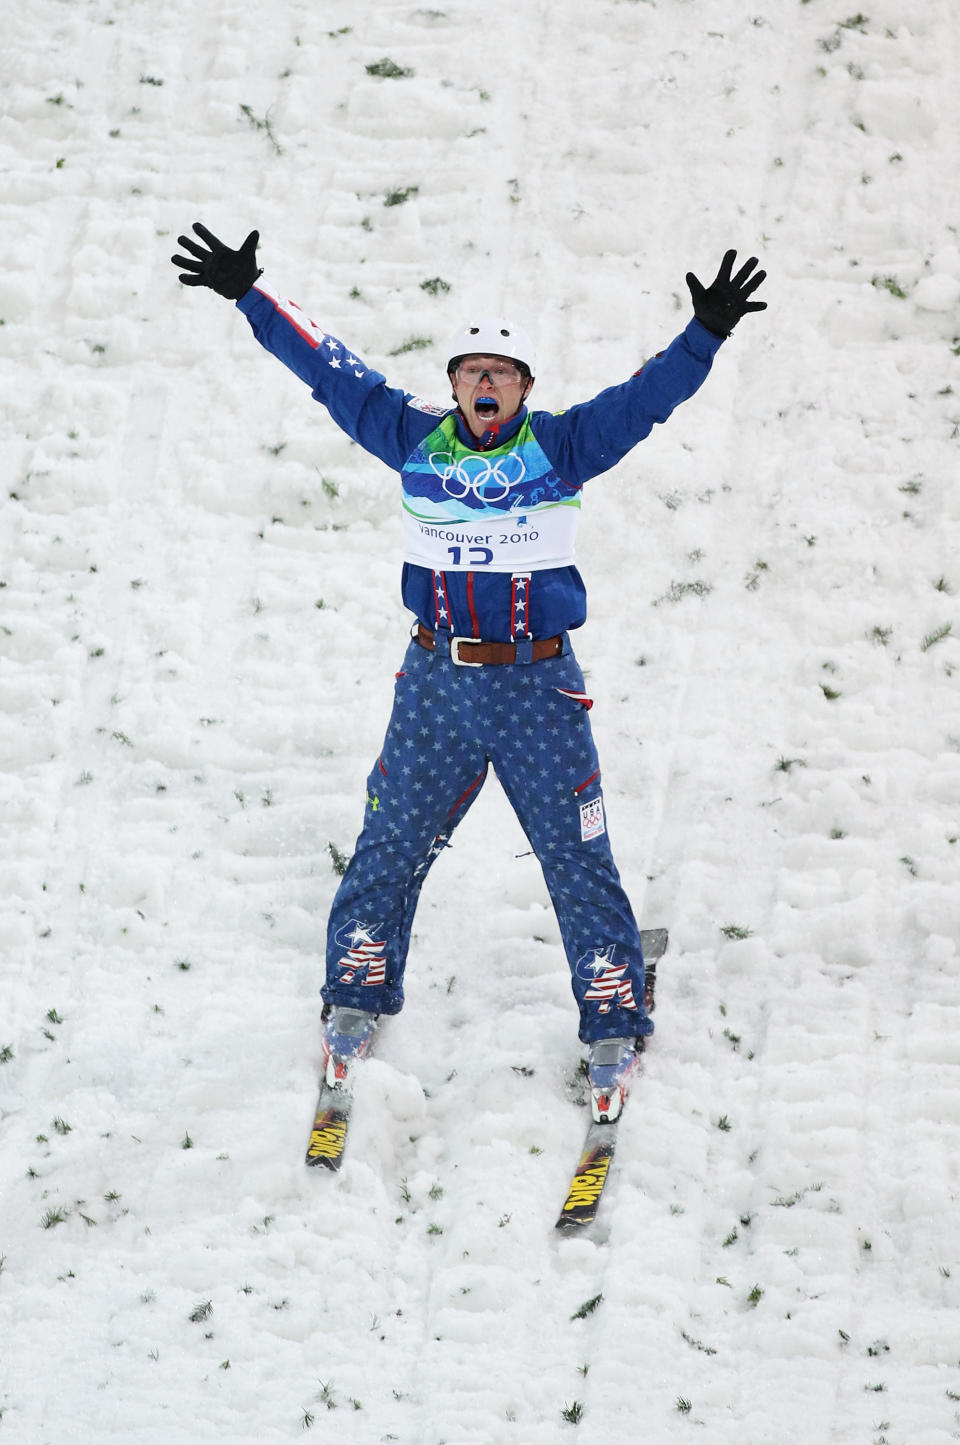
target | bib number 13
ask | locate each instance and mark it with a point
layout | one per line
(476, 556)
(483, 556)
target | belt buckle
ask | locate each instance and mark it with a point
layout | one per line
(455, 651)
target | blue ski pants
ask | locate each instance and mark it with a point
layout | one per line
(448, 724)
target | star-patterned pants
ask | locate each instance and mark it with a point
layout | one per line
(448, 724)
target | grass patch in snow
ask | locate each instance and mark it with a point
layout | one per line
(939, 634)
(416, 343)
(677, 591)
(388, 69)
(588, 1307)
(400, 195)
(265, 124)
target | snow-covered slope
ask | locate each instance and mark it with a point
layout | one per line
(199, 625)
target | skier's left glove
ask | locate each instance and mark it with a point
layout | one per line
(229, 273)
(720, 305)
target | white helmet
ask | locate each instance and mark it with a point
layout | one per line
(492, 336)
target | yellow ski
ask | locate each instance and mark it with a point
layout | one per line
(328, 1137)
(587, 1185)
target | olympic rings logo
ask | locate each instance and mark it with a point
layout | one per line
(488, 480)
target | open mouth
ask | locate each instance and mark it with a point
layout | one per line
(486, 407)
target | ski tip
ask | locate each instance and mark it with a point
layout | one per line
(654, 942)
(333, 1165)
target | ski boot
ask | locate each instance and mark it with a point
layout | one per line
(346, 1036)
(611, 1067)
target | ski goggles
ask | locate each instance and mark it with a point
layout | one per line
(500, 372)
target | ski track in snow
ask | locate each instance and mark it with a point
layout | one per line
(199, 623)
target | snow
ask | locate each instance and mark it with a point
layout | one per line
(199, 625)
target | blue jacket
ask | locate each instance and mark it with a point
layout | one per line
(576, 444)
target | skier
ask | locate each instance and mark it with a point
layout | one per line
(491, 495)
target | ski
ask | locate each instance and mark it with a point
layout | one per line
(593, 1168)
(328, 1137)
(583, 1197)
(348, 1034)
(654, 944)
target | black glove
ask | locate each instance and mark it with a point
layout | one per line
(229, 273)
(719, 307)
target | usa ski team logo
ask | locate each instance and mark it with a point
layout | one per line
(363, 962)
(608, 982)
(418, 404)
(591, 819)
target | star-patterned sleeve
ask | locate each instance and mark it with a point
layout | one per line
(384, 420)
(592, 437)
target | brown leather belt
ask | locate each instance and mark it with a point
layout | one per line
(470, 652)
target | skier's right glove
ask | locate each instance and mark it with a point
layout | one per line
(229, 273)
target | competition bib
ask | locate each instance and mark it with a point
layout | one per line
(503, 510)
